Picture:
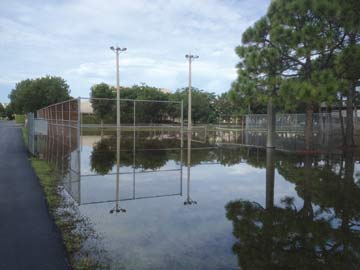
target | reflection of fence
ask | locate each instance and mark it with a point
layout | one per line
(232, 121)
(289, 131)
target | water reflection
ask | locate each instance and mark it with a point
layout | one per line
(282, 210)
(189, 201)
(103, 156)
(324, 233)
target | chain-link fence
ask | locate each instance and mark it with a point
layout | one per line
(289, 131)
(79, 137)
(322, 122)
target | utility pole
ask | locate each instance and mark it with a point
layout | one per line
(190, 57)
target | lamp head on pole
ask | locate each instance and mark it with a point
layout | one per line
(117, 49)
(191, 56)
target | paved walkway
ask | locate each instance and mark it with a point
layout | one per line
(28, 236)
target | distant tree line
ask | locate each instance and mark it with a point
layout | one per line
(206, 107)
(32, 94)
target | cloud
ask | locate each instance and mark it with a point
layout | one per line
(71, 39)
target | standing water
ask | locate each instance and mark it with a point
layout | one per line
(227, 207)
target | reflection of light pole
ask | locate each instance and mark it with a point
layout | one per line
(189, 201)
(117, 51)
(117, 209)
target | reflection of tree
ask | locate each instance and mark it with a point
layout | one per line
(277, 238)
(149, 156)
(103, 156)
(341, 193)
(300, 172)
(322, 237)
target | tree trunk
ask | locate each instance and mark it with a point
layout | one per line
(342, 122)
(309, 127)
(270, 124)
(349, 138)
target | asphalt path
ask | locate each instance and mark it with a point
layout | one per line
(29, 238)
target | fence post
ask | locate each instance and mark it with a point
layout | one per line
(182, 125)
(30, 129)
(69, 125)
(134, 148)
(78, 121)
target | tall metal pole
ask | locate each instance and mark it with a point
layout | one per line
(189, 97)
(181, 146)
(117, 129)
(134, 148)
(189, 201)
(117, 51)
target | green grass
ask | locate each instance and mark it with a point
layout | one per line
(75, 229)
(20, 118)
(25, 136)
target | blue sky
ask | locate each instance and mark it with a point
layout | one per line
(71, 39)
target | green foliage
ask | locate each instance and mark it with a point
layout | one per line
(32, 94)
(146, 112)
(348, 63)
(293, 48)
(301, 54)
(206, 107)
(99, 94)
(9, 112)
(202, 105)
(260, 70)
(2, 111)
(20, 118)
(89, 119)
(25, 136)
(223, 105)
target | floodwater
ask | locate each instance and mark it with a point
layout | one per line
(209, 207)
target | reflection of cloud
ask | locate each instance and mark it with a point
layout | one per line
(71, 38)
(244, 169)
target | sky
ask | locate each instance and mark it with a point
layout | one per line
(71, 39)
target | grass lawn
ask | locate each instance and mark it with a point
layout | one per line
(20, 118)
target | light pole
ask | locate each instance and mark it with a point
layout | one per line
(190, 57)
(117, 51)
(188, 201)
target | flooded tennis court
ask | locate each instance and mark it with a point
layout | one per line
(229, 207)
